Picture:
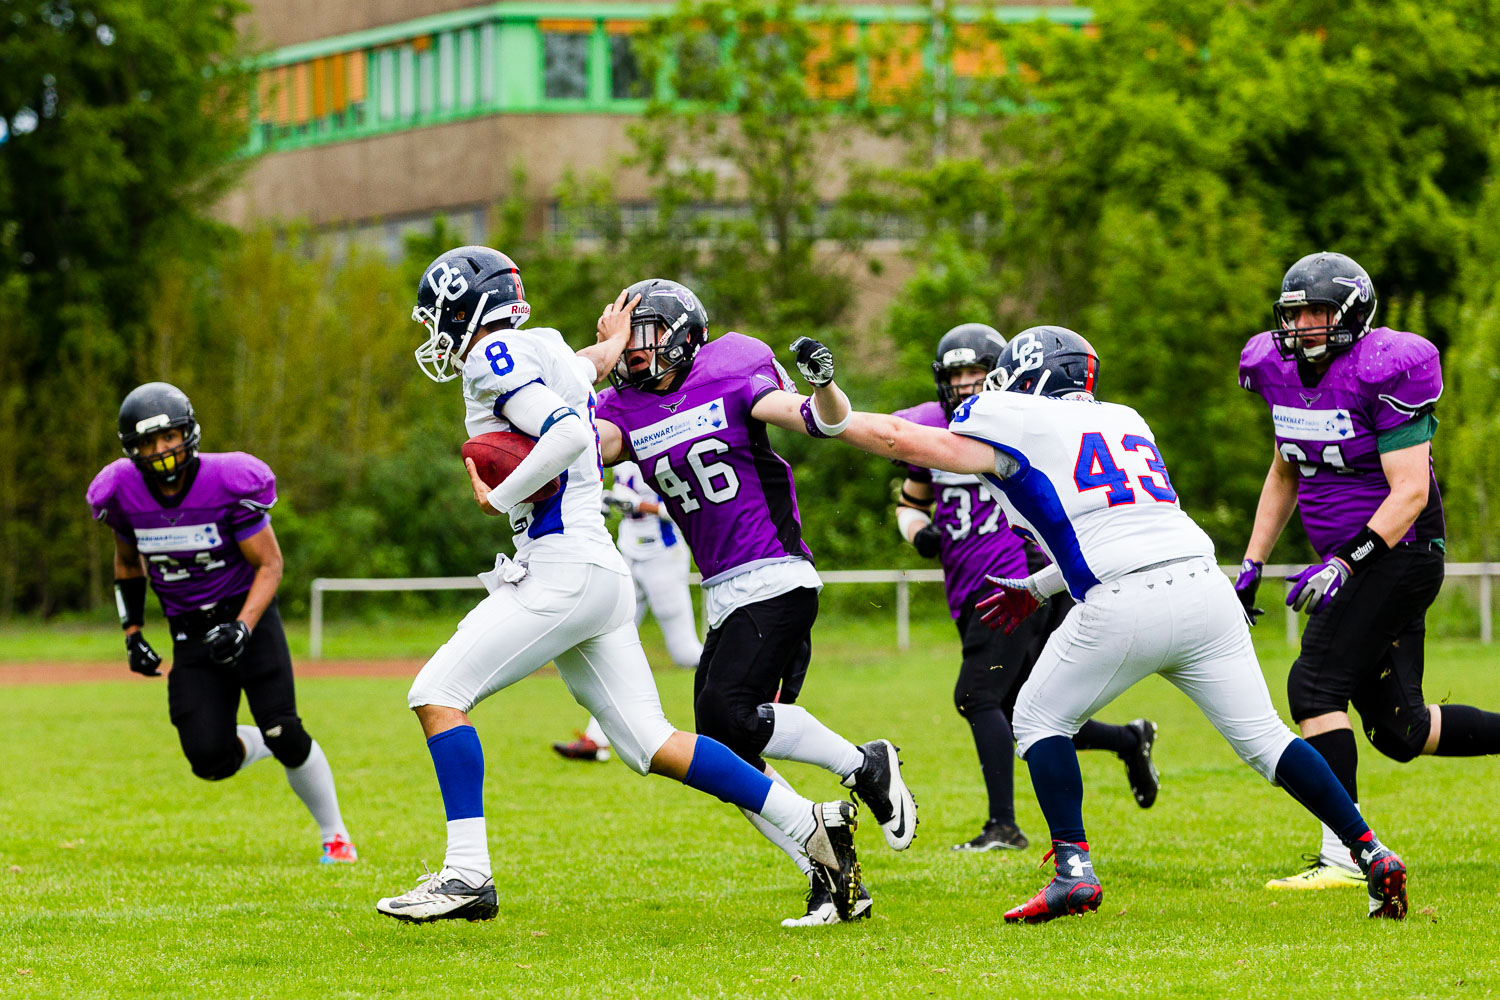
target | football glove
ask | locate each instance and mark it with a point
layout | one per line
(227, 641)
(1008, 606)
(1245, 586)
(621, 504)
(143, 659)
(927, 541)
(814, 361)
(1315, 586)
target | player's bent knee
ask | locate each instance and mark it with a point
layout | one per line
(1262, 749)
(1405, 744)
(214, 767)
(288, 742)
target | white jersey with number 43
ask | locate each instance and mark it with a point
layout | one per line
(566, 527)
(1085, 481)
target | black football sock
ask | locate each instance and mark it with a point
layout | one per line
(997, 760)
(1468, 732)
(1103, 736)
(1338, 748)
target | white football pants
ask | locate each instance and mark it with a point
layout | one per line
(579, 616)
(1182, 621)
(661, 583)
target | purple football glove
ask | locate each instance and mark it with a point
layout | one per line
(1006, 607)
(1245, 586)
(1315, 586)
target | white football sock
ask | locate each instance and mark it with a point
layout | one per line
(595, 732)
(791, 847)
(312, 780)
(1333, 851)
(789, 812)
(801, 737)
(468, 849)
(254, 744)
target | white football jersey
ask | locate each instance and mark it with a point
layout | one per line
(568, 526)
(645, 535)
(1085, 481)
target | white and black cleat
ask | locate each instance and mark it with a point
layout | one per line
(445, 895)
(879, 785)
(820, 909)
(831, 850)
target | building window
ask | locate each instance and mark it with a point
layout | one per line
(625, 80)
(565, 65)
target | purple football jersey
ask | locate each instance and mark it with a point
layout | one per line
(711, 462)
(974, 536)
(190, 540)
(1330, 429)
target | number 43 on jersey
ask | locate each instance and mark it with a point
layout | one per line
(1097, 468)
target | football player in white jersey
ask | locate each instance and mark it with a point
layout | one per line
(1085, 480)
(564, 598)
(659, 562)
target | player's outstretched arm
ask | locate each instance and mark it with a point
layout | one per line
(613, 332)
(929, 447)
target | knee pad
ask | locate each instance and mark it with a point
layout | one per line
(216, 765)
(289, 742)
(1401, 743)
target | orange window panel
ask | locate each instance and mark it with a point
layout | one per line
(265, 94)
(357, 64)
(624, 27)
(421, 44)
(896, 65)
(338, 83)
(830, 67)
(565, 25)
(976, 55)
(301, 99)
(281, 86)
(319, 88)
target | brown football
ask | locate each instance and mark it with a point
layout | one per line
(496, 456)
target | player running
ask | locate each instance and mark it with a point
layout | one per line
(1352, 411)
(658, 561)
(692, 415)
(1086, 481)
(198, 526)
(564, 598)
(967, 532)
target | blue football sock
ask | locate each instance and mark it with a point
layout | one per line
(716, 770)
(1059, 786)
(1306, 776)
(459, 761)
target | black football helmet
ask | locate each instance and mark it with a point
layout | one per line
(150, 409)
(670, 323)
(1324, 279)
(964, 346)
(463, 290)
(1046, 361)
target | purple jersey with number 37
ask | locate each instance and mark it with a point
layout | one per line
(710, 461)
(974, 536)
(1334, 430)
(190, 540)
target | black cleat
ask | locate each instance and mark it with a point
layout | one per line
(1140, 769)
(1386, 874)
(997, 835)
(820, 909)
(831, 849)
(879, 785)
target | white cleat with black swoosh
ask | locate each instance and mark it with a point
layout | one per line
(879, 786)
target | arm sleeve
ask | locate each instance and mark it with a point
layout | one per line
(538, 412)
(1047, 582)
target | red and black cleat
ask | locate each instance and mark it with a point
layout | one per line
(1386, 874)
(1074, 889)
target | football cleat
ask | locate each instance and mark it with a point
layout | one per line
(582, 748)
(820, 909)
(1386, 877)
(878, 784)
(997, 835)
(831, 850)
(1318, 874)
(1140, 769)
(339, 851)
(443, 896)
(1074, 889)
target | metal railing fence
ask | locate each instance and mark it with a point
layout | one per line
(902, 578)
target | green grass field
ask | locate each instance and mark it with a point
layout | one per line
(125, 876)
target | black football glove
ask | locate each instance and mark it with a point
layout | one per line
(226, 642)
(814, 361)
(143, 659)
(927, 541)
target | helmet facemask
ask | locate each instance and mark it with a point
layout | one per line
(1339, 333)
(164, 466)
(665, 350)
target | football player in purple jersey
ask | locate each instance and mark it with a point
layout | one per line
(950, 517)
(692, 415)
(1352, 408)
(198, 527)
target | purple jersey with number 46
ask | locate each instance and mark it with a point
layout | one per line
(974, 538)
(711, 462)
(190, 540)
(1332, 430)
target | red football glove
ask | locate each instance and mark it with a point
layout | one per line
(1009, 605)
